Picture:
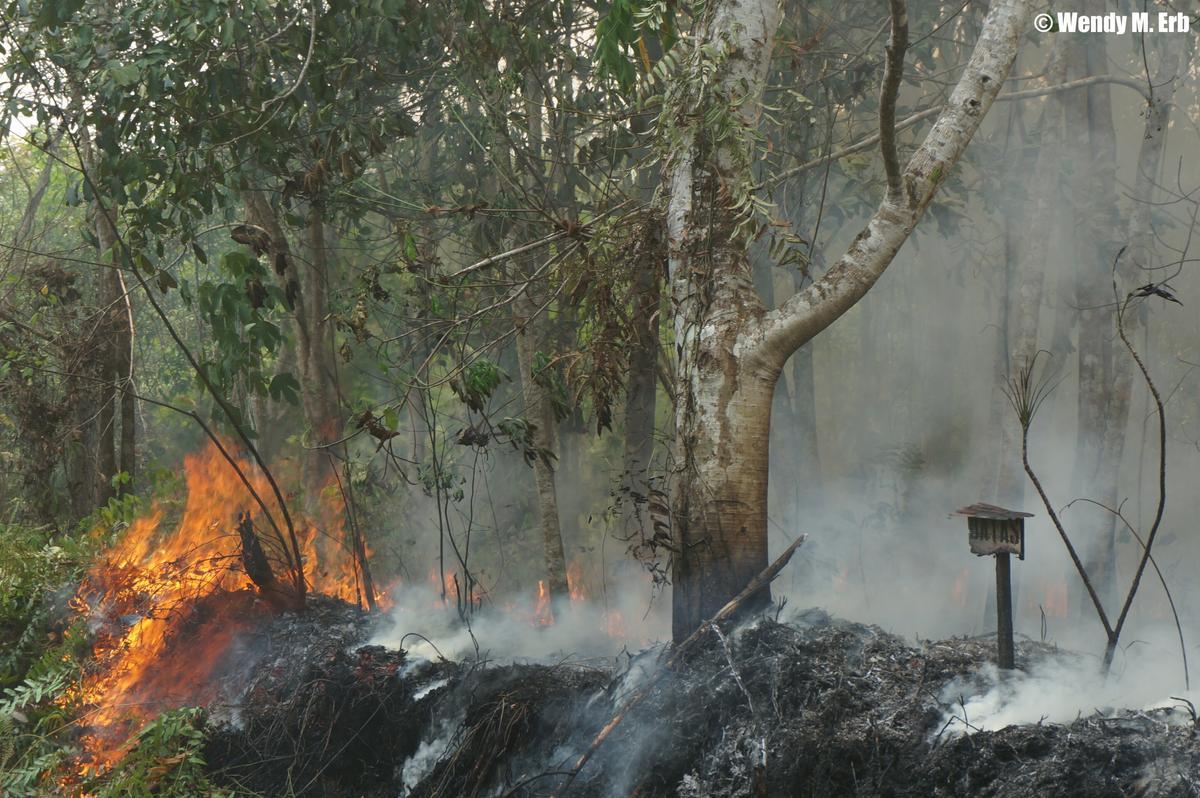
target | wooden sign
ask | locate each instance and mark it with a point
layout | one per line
(994, 530)
(996, 536)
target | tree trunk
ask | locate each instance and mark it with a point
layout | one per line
(719, 480)
(729, 349)
(1096, 224)
(642, 387)
(1027, 293)
(540, 413)
(1140, 254)
(112, 306)
(307, 287)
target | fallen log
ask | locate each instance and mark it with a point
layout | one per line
(677, 654)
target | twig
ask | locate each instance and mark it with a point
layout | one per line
(312, 41)
(737, 677)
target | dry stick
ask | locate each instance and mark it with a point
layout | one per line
(1162, 475)
(1062, 533)
(756, 584)
(1187, 679)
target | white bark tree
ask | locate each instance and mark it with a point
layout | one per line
(730, 348)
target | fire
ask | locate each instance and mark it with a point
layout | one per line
(168, 605)
(542, 614)
(173, 607)
(330, 568)
(959, 591)
(575, 581)
(614, 625)
(1054, 599)
(841, 579)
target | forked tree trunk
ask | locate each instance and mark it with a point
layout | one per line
(730, 350)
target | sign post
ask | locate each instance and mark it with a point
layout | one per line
(999, 532)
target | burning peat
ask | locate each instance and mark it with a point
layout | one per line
(177, 616)
(335, 701)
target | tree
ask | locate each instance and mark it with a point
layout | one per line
(730, 348)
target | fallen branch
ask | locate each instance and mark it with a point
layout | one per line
(677, 653)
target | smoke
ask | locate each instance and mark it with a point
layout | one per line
(521, 630)
(429, 752)
(1061, 687)
(907, 426)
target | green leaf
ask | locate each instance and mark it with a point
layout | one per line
(284, 386)
(123, 74)
(166, 281)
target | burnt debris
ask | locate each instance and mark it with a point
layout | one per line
(814, 707)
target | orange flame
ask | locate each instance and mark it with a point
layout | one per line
(169, 603)
(575, 582)
(542, 614)
(1054, 599)
(960, 590)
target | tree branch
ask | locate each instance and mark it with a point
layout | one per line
(912, 119)
(784, 330)
(893, 72)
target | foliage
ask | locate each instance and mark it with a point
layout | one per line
(165, 759)
(35, 569)
(31, 719)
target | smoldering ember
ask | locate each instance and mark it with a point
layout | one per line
(614, 399)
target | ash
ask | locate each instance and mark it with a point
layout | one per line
(812, 707)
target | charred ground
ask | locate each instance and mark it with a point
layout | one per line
(815, 706)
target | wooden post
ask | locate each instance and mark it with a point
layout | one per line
(1004, 620)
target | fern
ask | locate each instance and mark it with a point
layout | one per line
(32, 691)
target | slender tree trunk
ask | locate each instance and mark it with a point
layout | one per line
(126, 389)
(532, 333)
(306, 286)
(1140, 254)
(1030, 248)
(642, 387)
(1096, 224)
(540, 412)
(319, 390)
(112, 306)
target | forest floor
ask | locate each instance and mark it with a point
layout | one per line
(813, 707)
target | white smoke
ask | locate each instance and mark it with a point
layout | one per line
(1062, 688)
(427, 630)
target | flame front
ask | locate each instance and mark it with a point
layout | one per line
(174, 611)
(167, 606)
